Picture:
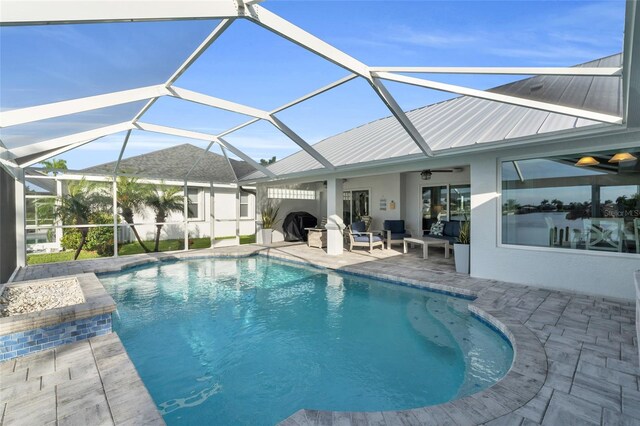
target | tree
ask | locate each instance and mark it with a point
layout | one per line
(164, 201)
(131, 198)
(267, 162)
(54, 165)
(79, 204)
(511, 205)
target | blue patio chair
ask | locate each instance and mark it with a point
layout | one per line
(395, 232)
(359, 237)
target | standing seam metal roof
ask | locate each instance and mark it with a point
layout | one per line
(465, 121)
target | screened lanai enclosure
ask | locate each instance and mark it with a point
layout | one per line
(138, 97)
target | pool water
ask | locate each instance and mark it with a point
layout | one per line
(250, 341)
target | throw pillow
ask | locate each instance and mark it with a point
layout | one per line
(436, 229)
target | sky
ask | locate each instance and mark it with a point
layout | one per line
(250, 65)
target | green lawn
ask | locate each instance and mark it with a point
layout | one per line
(247, 239)
(165, 245)
(244, 239)
(130, 248)
(63, 256)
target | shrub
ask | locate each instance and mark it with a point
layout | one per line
(70, 239)
(99, 240)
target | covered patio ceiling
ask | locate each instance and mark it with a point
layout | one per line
(29, 13)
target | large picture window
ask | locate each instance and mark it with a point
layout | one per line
(587, 201)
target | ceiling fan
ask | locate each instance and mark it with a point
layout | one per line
(426, 174)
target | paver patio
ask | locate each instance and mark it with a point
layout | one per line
(585, 372)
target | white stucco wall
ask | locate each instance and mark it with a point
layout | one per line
(288, 205)
(381, 187)
(600, 273)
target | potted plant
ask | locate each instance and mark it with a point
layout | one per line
(461, 248)
(269, 215)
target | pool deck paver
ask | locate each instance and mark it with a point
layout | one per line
(576, 355)
(92, 382)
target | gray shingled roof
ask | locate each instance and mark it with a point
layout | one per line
(175, 162)
(465, 121)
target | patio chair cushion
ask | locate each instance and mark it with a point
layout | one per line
(399, 235)
(395, 226)
(437, 229)
(365, 238)
(359, 226)
(451, 228)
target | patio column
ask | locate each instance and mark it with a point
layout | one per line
(335, 240)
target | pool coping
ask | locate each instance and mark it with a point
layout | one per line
(521, 384)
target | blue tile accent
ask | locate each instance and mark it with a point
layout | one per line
(30, 341)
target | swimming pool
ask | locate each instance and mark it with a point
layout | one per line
(252, 340)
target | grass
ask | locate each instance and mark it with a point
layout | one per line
(63, 256)
(165, 245)
(131, 248)
(247, 239)
(244, 239)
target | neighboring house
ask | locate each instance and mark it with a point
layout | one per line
(211, 187)
(488, 158)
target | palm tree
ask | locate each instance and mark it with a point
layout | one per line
(54, 165)
(131, 198)
(79, 204)
(164, 201)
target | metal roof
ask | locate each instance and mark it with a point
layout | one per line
(590, 92)
(466, 121)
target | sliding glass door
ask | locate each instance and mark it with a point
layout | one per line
(355, 205)
(445, 202)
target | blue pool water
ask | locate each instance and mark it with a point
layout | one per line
(250, 341)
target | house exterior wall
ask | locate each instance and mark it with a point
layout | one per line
(602, 273)
(315, 207)
(594, 272)
(386, 187)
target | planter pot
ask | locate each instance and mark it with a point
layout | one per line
(266, 236)
(461, 254)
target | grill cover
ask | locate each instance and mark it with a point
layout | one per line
(294, 224)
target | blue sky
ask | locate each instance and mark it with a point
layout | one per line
(250, 65)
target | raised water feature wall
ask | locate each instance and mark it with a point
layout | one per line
(31, 332)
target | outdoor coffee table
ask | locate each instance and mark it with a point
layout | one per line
(425, 242)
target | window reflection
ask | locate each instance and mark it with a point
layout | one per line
(555, 203)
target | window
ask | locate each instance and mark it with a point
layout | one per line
(291, 194)
(554, 202)
(244, 204)
(459, 202)
(193, 205)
